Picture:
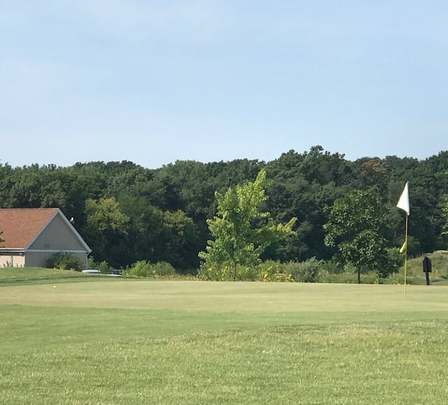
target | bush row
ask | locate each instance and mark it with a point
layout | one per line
(309, 271)
(144, 268)
(64, 261)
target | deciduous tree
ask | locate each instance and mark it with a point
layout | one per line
(241, 230)
(355, 229)
(107, 226)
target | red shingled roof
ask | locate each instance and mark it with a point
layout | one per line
(21, 225)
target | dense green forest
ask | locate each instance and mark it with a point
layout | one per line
(127, 212)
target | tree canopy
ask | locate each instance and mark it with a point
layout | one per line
(162, 213)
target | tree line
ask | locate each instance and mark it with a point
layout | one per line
(128, 213)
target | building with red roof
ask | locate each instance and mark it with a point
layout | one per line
(32, 235)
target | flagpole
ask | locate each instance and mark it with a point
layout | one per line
(406, 253)
(403, 204)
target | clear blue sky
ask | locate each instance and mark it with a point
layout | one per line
(155, 81)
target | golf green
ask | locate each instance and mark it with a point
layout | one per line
(192, 342)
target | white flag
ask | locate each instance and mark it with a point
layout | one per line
(403, 202)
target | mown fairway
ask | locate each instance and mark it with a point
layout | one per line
(180, 342)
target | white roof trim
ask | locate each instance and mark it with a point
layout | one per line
(78, 236)
(74, 231)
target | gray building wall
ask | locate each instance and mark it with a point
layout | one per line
(57, 236)
(39, 259)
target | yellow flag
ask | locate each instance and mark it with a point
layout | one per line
(403, 248)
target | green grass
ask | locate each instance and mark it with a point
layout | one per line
(415, 275)
(439, 266)
(35, 275)
(190, 342)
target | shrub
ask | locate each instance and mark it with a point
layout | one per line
(64, 261)
(351, 277)
(227, 272)
(139, 269)
(332, 266)
(274, 271)
(163, 269)
(91, 263)
(309, 271)
(143, 268)
(394, 261)
(103, 266)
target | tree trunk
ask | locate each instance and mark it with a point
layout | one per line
(359, 276)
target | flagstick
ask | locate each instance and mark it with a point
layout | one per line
(403, 204)
(406, 254)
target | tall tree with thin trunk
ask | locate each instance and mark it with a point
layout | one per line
(241, 230)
